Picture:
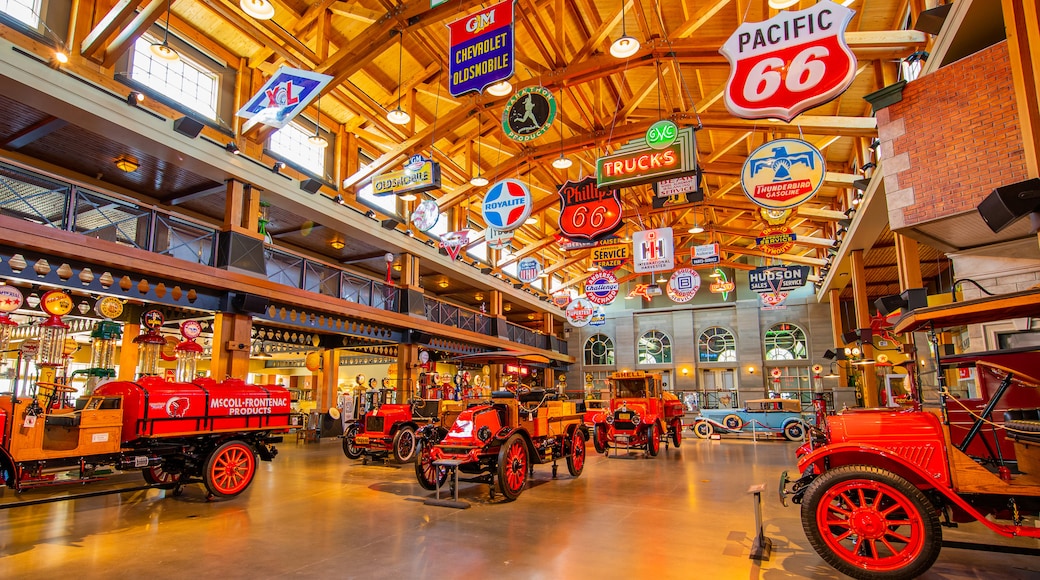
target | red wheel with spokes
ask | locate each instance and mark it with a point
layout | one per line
(576, 458)
(429, 475)
(513, 464)
(870, 523)
(158, 476)
(676, 432)
(599, 438)
(230, 469)
(653, 439)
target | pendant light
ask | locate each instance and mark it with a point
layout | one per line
(478, 179)
(625, 46)
(259, 9)
(162, 50)
(561, 162)
(398, 116)
(316, 140)
(696, 229)
(500, 89)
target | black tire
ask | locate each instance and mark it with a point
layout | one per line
(158, 477)
(794, 431)
(404, 444)
(229, 469)
(703, 429)
(576, 457)
(599, 438)
(895, 532)
(676, 430)
(349, 449)
(732, 422)
(513, 466)
(653, 439)
(425, 470)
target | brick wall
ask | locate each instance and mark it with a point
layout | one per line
(953, 138)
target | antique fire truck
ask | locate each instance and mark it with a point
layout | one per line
(640, 415)
(388, 429)
(878, 485)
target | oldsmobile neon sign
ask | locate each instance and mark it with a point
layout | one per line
(635, 163)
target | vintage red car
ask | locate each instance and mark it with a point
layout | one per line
(640, 415)
(877, 485)
(501, 439)
(388, 430)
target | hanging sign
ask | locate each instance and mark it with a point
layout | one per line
(497, 239)
(782, 174)
(480, 49)
(635, 163)
(776, 240)
(773, 300)
(643, 291)
(705, 255)
(683, 285)
(775, 217)
(601, 287)
(561, 299)
(453, 242)
(599, 318)
(777, 278)
(282, 97)
(579, 312)
(722, 284)
(528, 269)
(419, 174)
(677, 186)
(56, 303)
(10, 299)
(528, 114)
(653, 250)
(568, 245)
(588, 213)
(426, 215)
(661, 134)
(610, 257)
(792, 62)
(506, 205)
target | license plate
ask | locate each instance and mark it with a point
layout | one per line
(624, 416)
(621, 438)
(361, 440)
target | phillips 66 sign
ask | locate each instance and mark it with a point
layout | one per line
(789, 63)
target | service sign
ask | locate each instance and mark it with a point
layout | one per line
(774, 279)
(568, 245)
(610, 257)
(683, 285)
(425, 215)
(635, 163)
(792, 62)
(653, 250)
(705, 255)
(282, 97)
(579, 312)
(528, 269)
(588, 213)
(10, 299)
(480, 49)
(418, 175)
(453, 242)
(782, 174)
(776, 240)
(506, 205)
(601, 287)
(677, 191)
(528, 114)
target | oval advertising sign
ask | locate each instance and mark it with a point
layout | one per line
(506, 205)
(10, 299)
(56, 303)
(601, 287)
(661, 134)
(580, 312)
(783, 173)
(426, 215)
(683, 285)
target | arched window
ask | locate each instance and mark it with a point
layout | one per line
(785, 341)
(717, 344)
(655, 348)
(599, 350)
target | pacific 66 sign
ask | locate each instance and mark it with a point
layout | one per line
(789, 63)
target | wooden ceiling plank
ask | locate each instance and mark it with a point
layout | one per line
(313, 12)
(112, 22)
(127, 36)
(37, 130)
(699, 19)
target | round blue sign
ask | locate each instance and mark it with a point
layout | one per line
(507, 205)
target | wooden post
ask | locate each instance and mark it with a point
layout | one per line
(859, 293)
(128, 352)
(232, 342)
(835, 301)
(908, 261)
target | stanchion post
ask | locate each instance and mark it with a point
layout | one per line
(762, 546)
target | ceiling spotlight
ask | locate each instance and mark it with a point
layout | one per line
(232, 148)
(278, 166)
(127, 164)
(561, 162)
(259, 9)
(134, 98)
(337, 244)
(478, 181)
(398, 117)
(370, 214)
(338, 199)
(61, 57)
(661, 279)
(499, 89)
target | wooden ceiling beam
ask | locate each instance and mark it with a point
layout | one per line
(110, 24)
(127, 36)
(699, 19)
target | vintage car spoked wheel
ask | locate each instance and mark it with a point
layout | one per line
(703, 429)
(159, 477)
(599, 438)
(653, 439)
(732, 422)
(404, 445)
(512, 467)
(349, 449)
(870, 523)
(229, 469)
(426, 471)
(576, 458)
(676, 432)
(794, 431)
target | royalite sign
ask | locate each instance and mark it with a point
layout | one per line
(601, 287)
(653, 250)
(782, 174)
(588, 213)
(636, 163)
(792, 62)
(506, 205)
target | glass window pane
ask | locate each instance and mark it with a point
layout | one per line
(599, 350)
(183, 80)
(785, 341)
(293, 143)
(26, 11)
(717, 344)
(655, 348)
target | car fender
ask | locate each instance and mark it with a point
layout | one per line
(401, 424)
(790, 420)
(713, 423)
(499, 439)
(835, 455)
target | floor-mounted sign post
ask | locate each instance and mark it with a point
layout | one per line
(762, 546)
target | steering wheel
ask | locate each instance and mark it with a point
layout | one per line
(57, 387)
(523, 390)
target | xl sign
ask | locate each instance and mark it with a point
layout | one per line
(789, 63)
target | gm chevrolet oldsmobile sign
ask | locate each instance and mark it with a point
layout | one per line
(783, 173)
(789, 63)
(636, 163)
(419, 174)
(480, 49)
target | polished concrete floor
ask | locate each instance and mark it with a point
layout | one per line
(314, 513)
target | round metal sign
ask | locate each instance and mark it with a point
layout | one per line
(10, 298)
(783, 173)
(56, 303)
(109, 307)
(601, 287)
(191, 329)
(580, 312)
(153, 320)
(507, 205)
(661, 134)
(529, 113)
(683, 285)
(426, 215)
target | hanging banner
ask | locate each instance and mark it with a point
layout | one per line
(480, 49)
(635, 163)
(776, 240)
(453, 242)
(528, 269)
(601, 287)
(774, 279)
(282, 97)
(528, 114)
(792, 62)
(782, 174)
(418, 174)
(705, 255)
(653, 250)
(683, 285)
(588, 213)
(610, 257)
(506, 205)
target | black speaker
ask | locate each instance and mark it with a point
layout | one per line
(915, 298)
(241, 253)
(850, 336)
(188, 127)
(310, 185)
(244, 303)
(888, 304)
(418, 336)
(910, 299)
(1010, 202)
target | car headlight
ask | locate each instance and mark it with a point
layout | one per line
(610, 419)
(484, 433)
(636, 418)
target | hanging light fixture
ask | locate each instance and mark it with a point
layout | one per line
(162, 50)
(316, 139)
(696, 229)
(781, 4)
(478, 180)
(398, 116)
(259, 9)
(561, 162)
(500, 89)
(625, 46)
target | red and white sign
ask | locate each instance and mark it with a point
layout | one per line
(683, 285)
(653, 250)
(453, 242)
(792, 62)
(580, 312)
(506, 205)
(588, 213)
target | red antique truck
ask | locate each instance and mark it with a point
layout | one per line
(640, 415)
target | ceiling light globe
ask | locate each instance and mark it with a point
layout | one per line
(162, 51)
(561, 162)
(478, 181)
(624, 47)
(398, 117)
(500, 89)
(317, 141)
(259, 9)
(696, 230)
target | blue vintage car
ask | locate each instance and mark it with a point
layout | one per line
(780, 416)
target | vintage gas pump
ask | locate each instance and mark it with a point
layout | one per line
(188, 351)
(104, 343)
(150, 343)
(52, 334)
(10, 300)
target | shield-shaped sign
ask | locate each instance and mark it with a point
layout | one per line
(453, 242)
(587, 212)
(792, 62)
(528, 269)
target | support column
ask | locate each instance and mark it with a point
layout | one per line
(407, 371)
(835, 302)
(411, 293)
(232, 342)
(869, 389)
(497, 313)
(328, 380)
(128, 352)
(242, 209)
(908, 261)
